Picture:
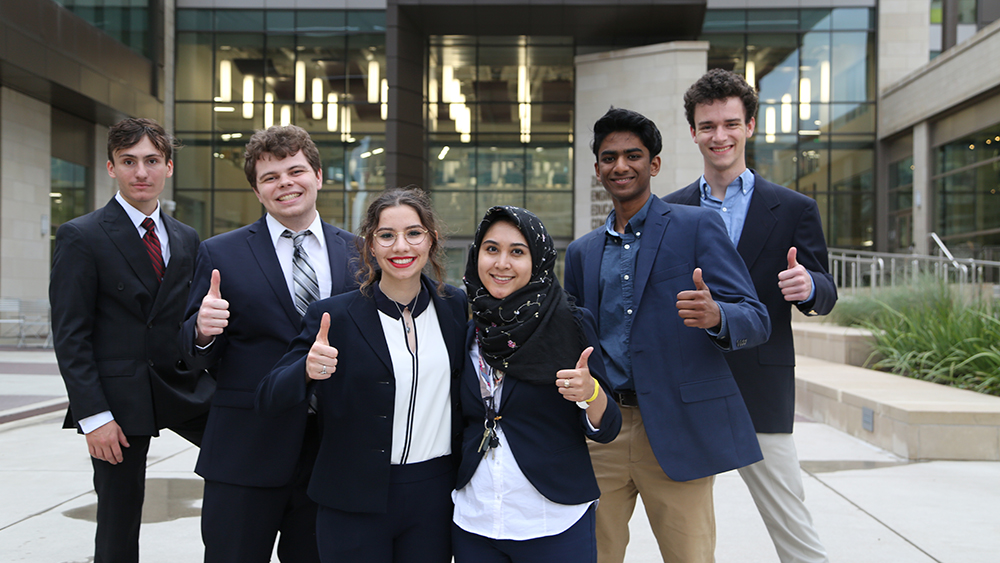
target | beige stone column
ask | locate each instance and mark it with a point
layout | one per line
(923, 201)
(650, 80)
(25, 183)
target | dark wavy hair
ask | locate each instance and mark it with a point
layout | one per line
(420, 201)
(281, 141)
(130, 131)
(619, 120)
(717, 85)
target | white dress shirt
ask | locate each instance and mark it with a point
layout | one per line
(500, 503)
(315, 248)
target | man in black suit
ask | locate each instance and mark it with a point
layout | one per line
(778, 234)
(120, 278)
(246, 305)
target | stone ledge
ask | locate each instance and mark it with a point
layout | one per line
(842, 345)
(914, 419)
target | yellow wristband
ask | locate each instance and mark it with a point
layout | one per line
(597, 389)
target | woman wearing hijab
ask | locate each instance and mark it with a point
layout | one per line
(383, 363)
(532, 396)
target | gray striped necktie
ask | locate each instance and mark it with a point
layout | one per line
(303, 274)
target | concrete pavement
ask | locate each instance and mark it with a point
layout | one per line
(868, 505)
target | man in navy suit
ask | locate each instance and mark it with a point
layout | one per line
(245, 307)
(671, 295)
(780, 238)
(120, 277)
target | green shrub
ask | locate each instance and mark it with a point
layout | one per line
(927, 332)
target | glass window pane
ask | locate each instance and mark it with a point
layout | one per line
(194, 20)
(193, 117)
(815, 20)
(852, 67)
(772, 20)
(458, 211)
(852, 118)
(549, 167)
(727, 52)
(282, 21)
(195, 75)
(321, 21)
(487, 199)
(240, 56)
(228, 171)
(851, 18)
(776, 59)
(775, 160)
(234, 208)
(555, 209)
(500, 168)
(850, 223)
(366, 21)
(194, 209)
(239, 20)
(453, 168)
(193, 164)
(724, 20)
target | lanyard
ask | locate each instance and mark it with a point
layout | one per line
(489, 382)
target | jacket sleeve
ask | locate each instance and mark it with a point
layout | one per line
(73, 287)
(287, 385)
(611, 422)
(811, 252)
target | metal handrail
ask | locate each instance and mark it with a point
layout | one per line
(864, 270)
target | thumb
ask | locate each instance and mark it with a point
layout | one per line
(792, 262)
(213, 289)
(584, 356)
(699, 284)
(324, 328)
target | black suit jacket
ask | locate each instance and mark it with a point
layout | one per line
(356, 403)
(546, 433)
(115, 326)
(240, 447)
(777, 219)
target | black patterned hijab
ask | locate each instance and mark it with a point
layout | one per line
(532, 333)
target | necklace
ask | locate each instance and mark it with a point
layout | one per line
(402, 317)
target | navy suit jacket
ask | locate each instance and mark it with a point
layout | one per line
(240, 447)
(546, 433)
(777, 219)
(692, 410)
(355, 404)
(114, 325)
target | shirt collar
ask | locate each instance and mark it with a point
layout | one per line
(744, 181)
(134, 214)
(275, 228)
(394, 310)
(634, 224)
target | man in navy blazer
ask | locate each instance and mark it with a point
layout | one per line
(241, 316)
(780, 238)
(671, 296)
(116, 303)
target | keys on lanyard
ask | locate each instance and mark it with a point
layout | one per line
(490, 439)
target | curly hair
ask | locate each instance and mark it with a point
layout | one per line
(716, 85)
(281, 141)
(129, 132)
(620, 119)
(420, 201)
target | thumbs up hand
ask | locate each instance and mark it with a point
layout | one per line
(213, 315)
(795, 282)
(697, 307)
(577, 384)
(322, 359)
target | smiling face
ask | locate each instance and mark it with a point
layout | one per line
(624, 167)
(141, 171)
(721, 134)
(287, 188)
(504, 260)
(402, 262)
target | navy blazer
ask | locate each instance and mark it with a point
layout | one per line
(355, 404)
(777, 219)
(114, 324)
(239, 447)
(546, 433)
(692, 410)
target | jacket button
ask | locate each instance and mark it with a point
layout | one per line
(150, 363)
(121, 286)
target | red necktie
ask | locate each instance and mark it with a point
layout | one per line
(153, 247)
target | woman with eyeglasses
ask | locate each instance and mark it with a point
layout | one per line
(382, 364)
(526, 489)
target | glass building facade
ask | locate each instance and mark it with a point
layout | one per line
(243, 70)
(815, 73)
(128, 21)
(966, 182)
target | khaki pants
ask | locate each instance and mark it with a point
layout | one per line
(681, 513)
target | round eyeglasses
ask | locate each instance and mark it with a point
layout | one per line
(413, 236)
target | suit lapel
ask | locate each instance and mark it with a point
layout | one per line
(759, 223)
(336, 248)
(365, 315)
(262, 248)
(656, 223)
(691, 195)
(125, 237)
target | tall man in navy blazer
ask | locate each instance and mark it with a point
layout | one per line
(241, 317)
(116, 303)
(780, 238)
(671, 296)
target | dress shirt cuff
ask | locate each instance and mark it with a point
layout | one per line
(590, 427)
(812, 293)
(723, 332)
(202, 350)
(91, 423)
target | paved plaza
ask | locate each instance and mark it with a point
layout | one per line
(869, 505)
